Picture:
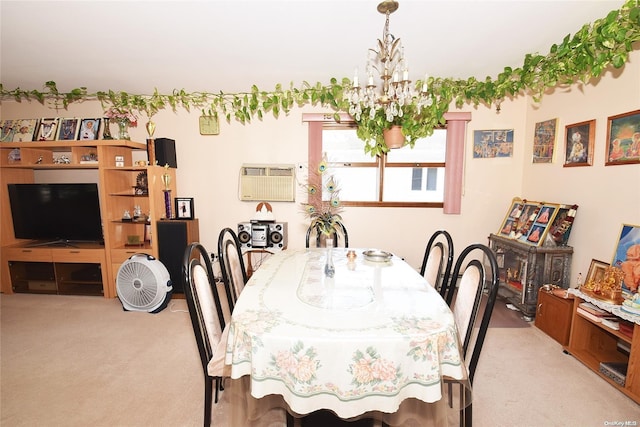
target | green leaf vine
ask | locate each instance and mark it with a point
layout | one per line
(578, 58)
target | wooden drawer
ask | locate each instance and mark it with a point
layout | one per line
(118, 256)
(27, 254)
(78, 255)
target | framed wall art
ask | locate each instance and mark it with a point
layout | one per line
(184, 208)
(579, 140)
(7, 130)
(89, 129)
(627, 257)
(544, 141)
(47, 130)
(492, 143)
(623, 139)
(68, 129)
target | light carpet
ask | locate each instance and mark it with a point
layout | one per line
(78, 361)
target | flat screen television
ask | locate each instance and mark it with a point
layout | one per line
(56, 213)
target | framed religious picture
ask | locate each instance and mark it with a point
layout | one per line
(627, 257)
(596, 272)
(508, 227)
(579, 140)
(492, 143)
(47, 130)
(7, 129)
(623, 139)
(184, 208)
(24, 130)
(544, 141)
(89, 129)
(68, 129)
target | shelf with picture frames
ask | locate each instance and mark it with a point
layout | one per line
(117, 186)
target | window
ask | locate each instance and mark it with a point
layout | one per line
(403, 177)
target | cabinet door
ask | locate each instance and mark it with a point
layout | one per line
(553, 316)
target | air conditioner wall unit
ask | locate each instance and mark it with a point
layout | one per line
(267, 183)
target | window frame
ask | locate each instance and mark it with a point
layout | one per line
(456, 123)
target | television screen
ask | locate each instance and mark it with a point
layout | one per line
(56, 212)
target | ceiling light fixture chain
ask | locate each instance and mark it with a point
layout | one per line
(389, 62)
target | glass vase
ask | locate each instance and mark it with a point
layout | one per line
(123, 130)
(329, 268)
(106, 132)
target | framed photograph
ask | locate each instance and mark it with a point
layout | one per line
(623, 139)
(579, 140)
(89, 129)
(544, 141)
(68, 129)
(24, 130)
(492, 143)
(627, 257)
(47, 130)
(7, 130)
(184, 208)
(596, 271)
(507, 229)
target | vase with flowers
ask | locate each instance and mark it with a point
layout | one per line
(124, 119)
(323, 208)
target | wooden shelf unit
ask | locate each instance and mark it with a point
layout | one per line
(592, 342)
(116, 189)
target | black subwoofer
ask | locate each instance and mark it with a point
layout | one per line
(165, 151)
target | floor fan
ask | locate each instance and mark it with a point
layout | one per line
(143, 284)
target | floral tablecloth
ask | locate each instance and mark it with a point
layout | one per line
(365, 340)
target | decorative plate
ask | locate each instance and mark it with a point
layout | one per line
(376, 255)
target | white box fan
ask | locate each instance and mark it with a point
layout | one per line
(143, 284)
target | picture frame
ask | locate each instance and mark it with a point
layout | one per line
(184, 208)
(596, 272)
(7, 130)
(68, 129)
(623, 139)
(47, 129)
(627, 257)
(579, 139)
(507, 229)
(492, 143)
(544, 141)
(24, 130)
(89, 129)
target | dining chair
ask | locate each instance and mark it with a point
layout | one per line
(232, 269)
(438, 260)
(205, 311)
(313, 234)
(475, 298)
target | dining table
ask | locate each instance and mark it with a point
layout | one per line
(373, 339)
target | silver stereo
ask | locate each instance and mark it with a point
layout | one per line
(262, 235)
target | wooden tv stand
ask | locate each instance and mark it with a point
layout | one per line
(78, 270)
(592, 342)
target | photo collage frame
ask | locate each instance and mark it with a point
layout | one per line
(51, 129)
(538, 223)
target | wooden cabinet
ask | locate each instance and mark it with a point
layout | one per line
(553, 316)
(592, 343)
(525, 268)
(117, 191)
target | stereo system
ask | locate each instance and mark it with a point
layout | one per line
(269, 235)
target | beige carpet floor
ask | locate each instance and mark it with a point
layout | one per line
(83, 361)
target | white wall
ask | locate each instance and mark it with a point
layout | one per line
(208, 168)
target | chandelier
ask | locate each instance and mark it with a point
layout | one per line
(391, 66)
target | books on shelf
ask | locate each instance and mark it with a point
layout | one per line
(598, 315)
(617, 371)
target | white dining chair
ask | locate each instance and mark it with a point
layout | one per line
(232, 268)
(475, 298)
(437, 261)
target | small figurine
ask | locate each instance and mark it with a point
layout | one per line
(126, 216)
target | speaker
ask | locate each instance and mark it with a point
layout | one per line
(165, 151)
(271, 236)
(244, 234)
(173, 238)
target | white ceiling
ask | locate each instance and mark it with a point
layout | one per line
(211, 46)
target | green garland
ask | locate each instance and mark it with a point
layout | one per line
(586, 55)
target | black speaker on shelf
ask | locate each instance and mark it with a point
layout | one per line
(173, 238)
(165, 151)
